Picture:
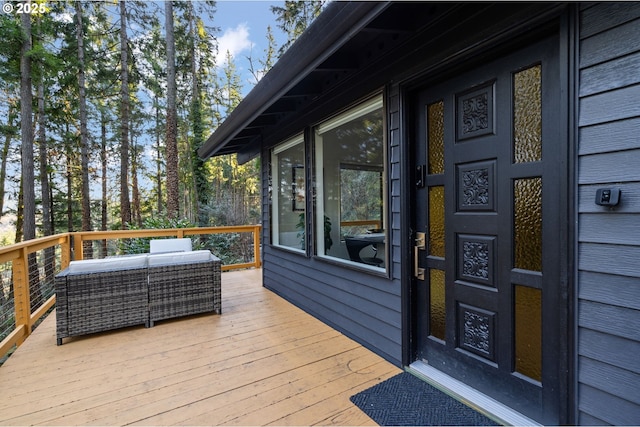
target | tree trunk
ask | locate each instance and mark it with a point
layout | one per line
(137, 216)
(47, 228)
(171, 136)
(26, 130)
(28, 174)
(69, 181)
(125, 204)
(103, 161)
(5, 153)
(84, 140)
(158, 159)
(20, 215)
(200, 182)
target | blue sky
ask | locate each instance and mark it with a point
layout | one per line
(243, 28)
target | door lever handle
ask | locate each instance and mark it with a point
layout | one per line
(420, 245)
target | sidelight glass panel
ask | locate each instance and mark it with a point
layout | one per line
(528, 332)
(527, 210)
(436, 304)
(436, 221)
(527, 115)
(435, 137)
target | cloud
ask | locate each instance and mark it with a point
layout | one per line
(235, 40)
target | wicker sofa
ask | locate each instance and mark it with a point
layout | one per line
(111, 293)
(181, 284)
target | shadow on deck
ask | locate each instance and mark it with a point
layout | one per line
(263, 361)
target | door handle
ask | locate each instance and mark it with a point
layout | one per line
(420, 245)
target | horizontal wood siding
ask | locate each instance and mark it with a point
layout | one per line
(364, 306)
(609, 239)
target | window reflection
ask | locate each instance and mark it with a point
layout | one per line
(350, 176)
(289, 194)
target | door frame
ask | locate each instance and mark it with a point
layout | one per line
(565, 26)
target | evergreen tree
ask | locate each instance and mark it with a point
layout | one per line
(84, 138)
(267, 62)
(171, 133)
(125, 203)
(26, 132)
(80, 99)
(294, 17)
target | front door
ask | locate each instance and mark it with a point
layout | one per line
(490, 178)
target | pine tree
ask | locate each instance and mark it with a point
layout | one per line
(265, 64)
(294, 18)
(84, 139)
(26, 126)
(171, 133)
(125, 203)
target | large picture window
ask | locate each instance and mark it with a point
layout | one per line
(350, 179)
(288, 194)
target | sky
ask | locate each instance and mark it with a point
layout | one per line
(243, 29)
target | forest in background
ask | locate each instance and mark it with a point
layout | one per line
(103, 106)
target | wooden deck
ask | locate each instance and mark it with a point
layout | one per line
(263, 361)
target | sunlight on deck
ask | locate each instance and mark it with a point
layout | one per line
(263, 361)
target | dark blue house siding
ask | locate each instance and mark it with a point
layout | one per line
(609, 239)
(364, 306)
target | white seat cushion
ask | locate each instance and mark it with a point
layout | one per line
(108, 264)
(170, 245)
(179, 258)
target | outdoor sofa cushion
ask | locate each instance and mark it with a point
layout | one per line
(108, 264)
(170, 245)
(179, 258)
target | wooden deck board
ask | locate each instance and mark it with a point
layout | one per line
(263, 361)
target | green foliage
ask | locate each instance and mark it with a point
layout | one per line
(230, 248)
(301, 225)
(141, 245)
(11, 36)
(295, 16)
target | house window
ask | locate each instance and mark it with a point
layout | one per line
(351, 192)
(288, 194)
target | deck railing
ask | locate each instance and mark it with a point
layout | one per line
(27, 269)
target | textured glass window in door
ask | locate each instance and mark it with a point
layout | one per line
(436, 303)
(435, 136)
(528, 332)
(436, 221)
(527, 199)
(527, 115)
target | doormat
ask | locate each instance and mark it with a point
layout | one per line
(405, 400)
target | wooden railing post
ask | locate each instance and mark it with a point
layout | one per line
(65, 251)
(78, 246)
(256, 245)
(21, 294)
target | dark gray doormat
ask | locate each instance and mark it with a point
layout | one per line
(405, 400)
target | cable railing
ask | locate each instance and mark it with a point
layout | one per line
(28, 269)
